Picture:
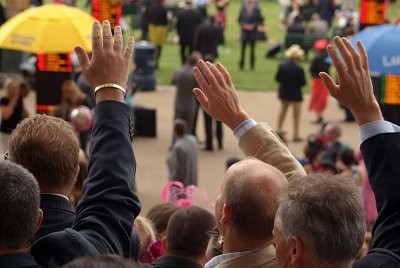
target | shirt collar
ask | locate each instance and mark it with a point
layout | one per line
(227, 256)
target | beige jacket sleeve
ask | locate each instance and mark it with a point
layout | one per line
(262, 143)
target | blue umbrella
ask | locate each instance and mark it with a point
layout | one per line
(382, 43)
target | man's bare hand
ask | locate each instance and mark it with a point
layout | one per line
(218, 95)
(355, 89)
(109, 64)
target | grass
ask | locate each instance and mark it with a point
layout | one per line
(262, 78)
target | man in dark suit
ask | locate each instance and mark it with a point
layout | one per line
(291, 78)
(53, 160)
(380, 148)
(105, 214)
(187, 22)
(187, 238)
(249, 19)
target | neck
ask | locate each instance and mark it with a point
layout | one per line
(235, 243)
(13, 251)
(62, 191)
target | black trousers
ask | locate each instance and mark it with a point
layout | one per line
(252, 56)
(208, 123)
(184, 53)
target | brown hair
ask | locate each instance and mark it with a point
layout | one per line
(160, 214)
(47, 147)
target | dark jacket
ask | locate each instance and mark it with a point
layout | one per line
(187, 22)
(319, 64)
(18, 260)
(105, 214)
(158, 15)
(207, 39)
(173, 261)
(291, 78)
(255, 18)
(58, 214)
(380, 155)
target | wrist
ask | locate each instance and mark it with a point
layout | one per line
(236, 120)
(368, 114)
(107, 94)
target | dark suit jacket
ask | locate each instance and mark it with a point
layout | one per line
(105, 214)
(58, 214)
(18, 260)
(380, 155)
(291, 78)
(173, 261)
(187, 22)
(207, 39)
(255, 18)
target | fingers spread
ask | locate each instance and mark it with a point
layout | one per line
(225, 74)
(129, 50)
(354, 54)
(107, 35)
(118, 39)
(330, 84)
(364, 56)
(83, 57)
(96, 37)
(344, 52)
(202, 98)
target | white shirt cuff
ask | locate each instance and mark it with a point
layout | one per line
(243, 128)
(377, 127)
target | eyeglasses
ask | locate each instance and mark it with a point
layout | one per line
(6, 156)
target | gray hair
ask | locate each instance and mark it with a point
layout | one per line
(19, 204)
(326, 213)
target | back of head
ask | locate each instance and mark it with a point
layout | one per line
(194, 58)
(253, 186)
(160, 214)
(47, 147)
(326, 213)
(347, 157)
(179, 127)
(145, 230)
(188, 232)
(332, 131)
(19, 204)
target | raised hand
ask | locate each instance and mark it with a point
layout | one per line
(218, 95)
(355, 89)
(109, 64)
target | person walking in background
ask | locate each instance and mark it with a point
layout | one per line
(291, 78)
(319, 94)
(182, 160)
(249, 19)
(187, 22)
(12, 109)
(186, 105)
(158, 22)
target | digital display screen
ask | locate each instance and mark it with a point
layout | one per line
(54, 63)
(373, 12)
(107, 10)
(390, 91)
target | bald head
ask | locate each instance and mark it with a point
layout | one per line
(251, 190)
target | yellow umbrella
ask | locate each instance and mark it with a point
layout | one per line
(51, 28)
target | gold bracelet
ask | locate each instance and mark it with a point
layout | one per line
(109, 85)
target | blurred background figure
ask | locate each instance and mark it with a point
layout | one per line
(320, 93)
(291, 79)
(71, 98)
(12, 109)
(349, 168)
(158, 22)
(249, 19)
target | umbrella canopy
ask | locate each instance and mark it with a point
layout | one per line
(51, 28)
(382, 45)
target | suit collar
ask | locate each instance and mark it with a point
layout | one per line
(55, 201)
(170, 260)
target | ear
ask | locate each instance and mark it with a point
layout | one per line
(164, 243)
(226, 215)
(296, 246)
(39, 220)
